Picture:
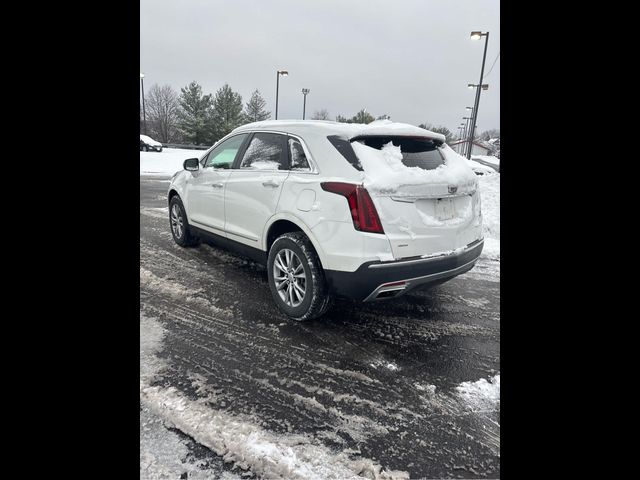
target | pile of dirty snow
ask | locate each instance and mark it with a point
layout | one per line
(482, 394)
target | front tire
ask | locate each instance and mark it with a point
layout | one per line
(296, 278)
(179, 224)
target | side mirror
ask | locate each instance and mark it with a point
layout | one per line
(191, 164)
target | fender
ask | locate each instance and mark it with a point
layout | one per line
(300, 223)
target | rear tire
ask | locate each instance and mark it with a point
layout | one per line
(296, 278)
(145, 148)
(179, 225)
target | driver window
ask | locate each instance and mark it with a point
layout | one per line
(223, 155)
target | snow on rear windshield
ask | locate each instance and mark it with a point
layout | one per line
(416, 152)
(386, 169)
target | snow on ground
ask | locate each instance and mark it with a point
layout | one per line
(490, 203)
(487, 158)
(165, 454)
(481, 395)
(237, 439)
(166, 162)
(478, 167)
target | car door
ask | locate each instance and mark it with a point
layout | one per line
(206, 189)
(254, 186)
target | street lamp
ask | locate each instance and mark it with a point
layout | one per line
(477, 36)
(144, 113)
(284, 73)
(304, 105)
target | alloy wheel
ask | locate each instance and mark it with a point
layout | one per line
(290, 278)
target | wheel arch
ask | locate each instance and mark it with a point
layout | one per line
(284, 223)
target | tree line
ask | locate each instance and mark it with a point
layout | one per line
(194, 117)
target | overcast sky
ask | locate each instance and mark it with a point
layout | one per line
(410, 59)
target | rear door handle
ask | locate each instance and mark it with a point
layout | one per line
(270, 183)
(218, 185)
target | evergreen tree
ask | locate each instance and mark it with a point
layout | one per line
(254, 109)
(226, 113)
(194, 114)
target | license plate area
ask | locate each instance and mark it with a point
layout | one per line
(445, 208)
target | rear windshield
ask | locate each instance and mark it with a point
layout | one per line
(416, 152)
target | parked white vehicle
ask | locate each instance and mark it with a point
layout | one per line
(364, 211)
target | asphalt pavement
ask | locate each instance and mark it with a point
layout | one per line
(380, 378)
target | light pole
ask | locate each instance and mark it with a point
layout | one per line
(304, 104)
(284, 73)
(471, 130)
(478, 36)
(144, 113)
(466, 134)
(471, 113)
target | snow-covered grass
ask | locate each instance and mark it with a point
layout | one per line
(482, 394)
(166, 162)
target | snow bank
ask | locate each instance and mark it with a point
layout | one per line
(250, 447)
(487, 158)
(482, 394)
(385, 172)
(166, 162)
(478, 167)
(490, 198)
(165, 454)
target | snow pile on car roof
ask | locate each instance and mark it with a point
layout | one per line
(387, 127)
(385, 172)
(150, 140)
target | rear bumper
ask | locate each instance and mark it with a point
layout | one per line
(380, 280)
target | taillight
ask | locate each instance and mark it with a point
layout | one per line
(363, 211)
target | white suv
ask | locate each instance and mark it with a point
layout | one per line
(363, 211)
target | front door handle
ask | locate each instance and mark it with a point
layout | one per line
(270, 183)
(218, 185)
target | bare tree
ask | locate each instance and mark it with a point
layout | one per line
(162, 113)
(320, 115)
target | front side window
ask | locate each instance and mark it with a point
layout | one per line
(296, 154)
(266, 151)
(223, 155)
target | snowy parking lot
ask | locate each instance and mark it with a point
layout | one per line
(408, 388)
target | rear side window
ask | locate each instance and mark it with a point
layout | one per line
(297, 156)
(416, 152)
(266, 151)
